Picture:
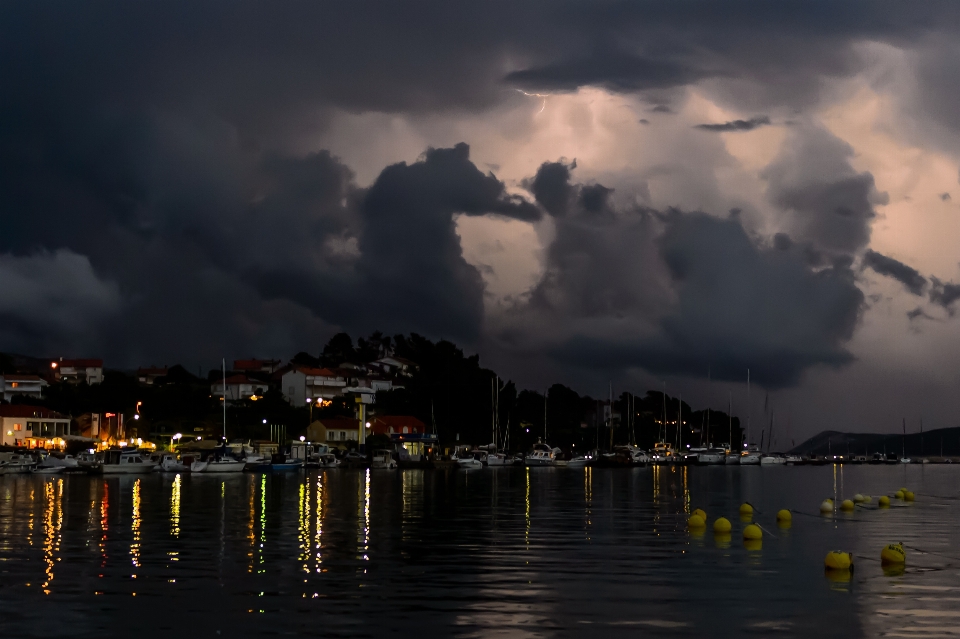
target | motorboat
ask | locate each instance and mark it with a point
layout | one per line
(793, 460)
(56, 461)
(88, 460)
(541, 455)
(171, 463)
(577, 461)
(47, 470)
(712, 457)
(353, 459)
(751, 456)
(629, 455)
(383, 459)
(124, 462)
(772, 459)
(499, 459)
(732, 458)
(218, 465)
(16, 463)
(662, 453)
(327, 460)
(467, 460)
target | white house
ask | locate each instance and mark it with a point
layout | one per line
(33, 426)
(303, 382)
(238, 387)
(28, 385)
(79, 370)
(393, 366)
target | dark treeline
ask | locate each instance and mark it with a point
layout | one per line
(448, 390)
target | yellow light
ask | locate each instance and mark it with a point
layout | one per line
(10, 433)
(53, 364)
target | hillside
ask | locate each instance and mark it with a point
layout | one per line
(916, 444)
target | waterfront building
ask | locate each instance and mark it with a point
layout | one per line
(34, 426)
(334, 431)
(26, 385)
(406, 432)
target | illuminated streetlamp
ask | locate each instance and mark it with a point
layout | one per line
(175, 437)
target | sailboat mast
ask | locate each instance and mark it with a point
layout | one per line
(679, 421)
(749, 407)
(545, 393)
(223, 363)
(708, 409)
(730, 417)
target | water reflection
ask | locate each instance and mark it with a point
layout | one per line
(52, 521)
(175, 506)
(135, 525)
(434, 558)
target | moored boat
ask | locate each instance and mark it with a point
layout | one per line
(123, 462)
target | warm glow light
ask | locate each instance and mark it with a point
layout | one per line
(302, 438)
(177, 436)
(368, 424)
(53, 364)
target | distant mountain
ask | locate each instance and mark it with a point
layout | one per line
(929, 443)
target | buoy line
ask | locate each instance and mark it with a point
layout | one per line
(929, 552)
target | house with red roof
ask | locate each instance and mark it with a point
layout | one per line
(302, 383)
(238, 387)
(27, 385)
(33, 426)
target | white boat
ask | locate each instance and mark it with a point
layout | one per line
(383, 459)
(771, 460)
(793, 459)
(123, 462)
(218, 465)
(541, 455)
(16, 464)
(54, 461)
(577, 462)
(88, 460)
(466, 460)
(47, 470)
(751, 456)
(732, 459)
(497, 460)
(327, 460)
(170, 463)
(662, 453)
(906, 460)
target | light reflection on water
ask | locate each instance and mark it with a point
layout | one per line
(517, 552)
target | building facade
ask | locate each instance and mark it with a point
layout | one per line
(335, 431)
(34, 426)
(79, 370)
(301, 383)
(26, 385)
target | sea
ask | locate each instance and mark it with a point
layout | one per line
(506, 552)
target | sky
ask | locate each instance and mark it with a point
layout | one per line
(596, 193)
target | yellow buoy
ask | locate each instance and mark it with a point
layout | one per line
(722, 526)
(867, 499)
(696, 521)
(700, 513)
(884, 501)
(859, 499)
(838, 560)
(893, 554)
(746, 509)
(898, 494)
(784, 515)
(826, 506)
(846, 505)
(903, 490)
(753, 544)
(908, 496)
(752, 531)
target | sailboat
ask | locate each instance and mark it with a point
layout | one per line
(219, 461)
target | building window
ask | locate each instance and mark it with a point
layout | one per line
(405, 430)
(18, 427)
(14, 384)
(33, 426)
(343, 435)
(331, 435)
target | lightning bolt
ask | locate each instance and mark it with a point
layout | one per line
(537, 95)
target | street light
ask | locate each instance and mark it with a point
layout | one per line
(175, 437)
(302, 438)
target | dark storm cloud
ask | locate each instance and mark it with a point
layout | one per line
(906, 275)
(823, 200)
(736, 125)
(148, 189)
(613, 70)
(944, 294)
(411, 261)
(683, 293)
(764, 310)
(551, 187)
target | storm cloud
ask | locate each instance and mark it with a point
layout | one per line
(906, 275)
(736, 125)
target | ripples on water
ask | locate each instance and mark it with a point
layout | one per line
(497, 552)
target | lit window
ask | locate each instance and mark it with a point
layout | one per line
(405, 430)
(14, 384)
(18, 427)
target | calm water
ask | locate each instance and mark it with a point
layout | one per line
(506, 552)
